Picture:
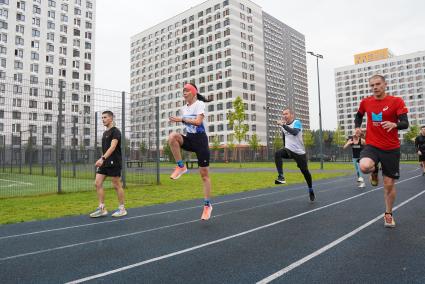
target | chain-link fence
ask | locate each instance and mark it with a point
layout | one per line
(45, 148)
(331, 153)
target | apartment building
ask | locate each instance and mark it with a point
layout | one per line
(405, 76)
(43, 43)
(229, 49)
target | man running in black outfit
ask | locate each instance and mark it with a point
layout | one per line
(420, 148)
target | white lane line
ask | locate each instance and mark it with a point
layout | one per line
(318, 252)
(14, 183)
(161, 213)
(124, 268)
(151, 230)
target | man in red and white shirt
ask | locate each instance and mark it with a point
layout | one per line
(385, 116)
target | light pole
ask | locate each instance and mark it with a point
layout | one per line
(320, 107)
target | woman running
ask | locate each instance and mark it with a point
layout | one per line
(195, 140)
(357, 143)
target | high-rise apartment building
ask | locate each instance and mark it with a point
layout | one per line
(405, 76)
(44, 42)
(228, 49)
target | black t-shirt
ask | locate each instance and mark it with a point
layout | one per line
(115, 159)
(357, 148)
(420, 143)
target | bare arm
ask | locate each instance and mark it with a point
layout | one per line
(349, 143)
(197, 121)
(108, 153)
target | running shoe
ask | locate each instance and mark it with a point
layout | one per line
(360, 179)
(311, 195)
(206, 214)
(389, 220)
(178, 172)
(423, 174)
(120, 212)
(374, 180)
(99, 212)
(362, 184)
(280, 180)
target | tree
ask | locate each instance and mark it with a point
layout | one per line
(339, 137)
(230, 147)
(237, 122)
(254, 144)
(215, 145)
(410, 135)
(166, 149)
(143, 149)
(327, 137)
(308, 139)
(277, 143)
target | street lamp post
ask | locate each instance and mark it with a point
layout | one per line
(320, 107)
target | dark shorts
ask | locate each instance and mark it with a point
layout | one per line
(198, 143)
(421, 158)
(301, 160)
(389, 159)
(110, 172)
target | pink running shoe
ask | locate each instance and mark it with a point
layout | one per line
(178, 172)
(206, 214)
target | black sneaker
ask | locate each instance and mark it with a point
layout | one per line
(280, 180)
(311, 195)
(423, 173)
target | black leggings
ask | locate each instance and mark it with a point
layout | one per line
(301, 161)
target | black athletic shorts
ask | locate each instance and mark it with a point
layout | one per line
(301, 160)
(389, 159)
(422, 158)
(198, 143)
(109, 171)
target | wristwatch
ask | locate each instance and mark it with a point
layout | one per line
(103, 158)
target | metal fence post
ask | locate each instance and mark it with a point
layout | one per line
(4, 153)
(42, 151)
(95, 140)
(123, 142)
(73, 154)
(30, 151)
(59, 140)
(157, 139)
(20, 152)
(11, 153)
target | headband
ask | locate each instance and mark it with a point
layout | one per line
(191, 89)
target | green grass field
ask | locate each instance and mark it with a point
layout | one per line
(20, 182)
(289, 165)
(20, 209)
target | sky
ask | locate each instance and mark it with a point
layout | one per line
(337, 29)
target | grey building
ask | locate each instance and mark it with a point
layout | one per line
(229, 49)
(286, 73)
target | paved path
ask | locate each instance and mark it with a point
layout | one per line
(265, 235)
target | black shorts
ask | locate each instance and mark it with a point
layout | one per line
(421, 158)
(389, 159)
(301, 160)
(110, 172)
(198, 143)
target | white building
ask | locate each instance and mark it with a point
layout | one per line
(221, 47)
(43, 42)
(405, 76)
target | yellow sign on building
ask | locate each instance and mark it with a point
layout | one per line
(373, 55)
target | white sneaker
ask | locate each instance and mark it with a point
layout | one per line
(361, 185)
(99, 212)
(119, 212)
(360, 179)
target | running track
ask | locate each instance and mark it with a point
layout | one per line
(261, 236)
